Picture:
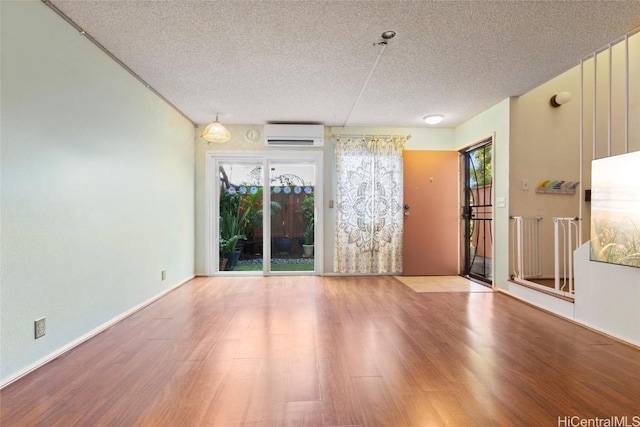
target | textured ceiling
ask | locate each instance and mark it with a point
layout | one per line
(307, 61)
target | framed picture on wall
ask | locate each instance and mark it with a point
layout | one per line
(615, 209)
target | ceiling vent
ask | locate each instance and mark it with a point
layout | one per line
(294, 135)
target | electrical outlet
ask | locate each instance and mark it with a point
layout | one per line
(163, 275)
(40, 327)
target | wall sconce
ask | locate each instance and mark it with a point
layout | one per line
(560, 99)
(216, 132)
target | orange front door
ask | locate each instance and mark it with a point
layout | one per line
(432, 225)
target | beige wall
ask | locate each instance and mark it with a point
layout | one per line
(545, 146)
(545, 141)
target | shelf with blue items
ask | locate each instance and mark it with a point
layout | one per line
(557, 187)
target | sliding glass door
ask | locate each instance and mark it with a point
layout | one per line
(240, 215)
(292, 204)
(263, 216)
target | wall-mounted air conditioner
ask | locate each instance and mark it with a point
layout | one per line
(294, 135)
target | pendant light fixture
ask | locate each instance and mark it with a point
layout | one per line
(216, 132)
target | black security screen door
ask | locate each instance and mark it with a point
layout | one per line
(478, 212)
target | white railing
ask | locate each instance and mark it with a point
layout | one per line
(527, 253)
(527, 258)
(566, 241)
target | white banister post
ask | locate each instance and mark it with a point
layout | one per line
(519, 223)
(556, 254)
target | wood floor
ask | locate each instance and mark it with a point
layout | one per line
(333, 351)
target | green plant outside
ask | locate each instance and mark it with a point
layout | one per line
(309, 234)
(615, 240)
(481, 167)
(307, 209)
(241, 216)
(229, 223)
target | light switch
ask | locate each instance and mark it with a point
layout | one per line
(501, 202)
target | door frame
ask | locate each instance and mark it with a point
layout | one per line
(464, 232)
(212, 205)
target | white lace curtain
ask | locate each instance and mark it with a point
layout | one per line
(369, 205)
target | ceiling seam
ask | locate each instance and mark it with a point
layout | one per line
(115, 58)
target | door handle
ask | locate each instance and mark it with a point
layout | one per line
(406, 210)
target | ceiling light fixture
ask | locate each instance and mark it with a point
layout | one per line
(433, 119)
(560, 99)
(216, 132)
(388, 35)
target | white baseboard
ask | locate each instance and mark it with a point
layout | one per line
(544, 301)
(60, 351)
(612, 335)
(576, 321)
